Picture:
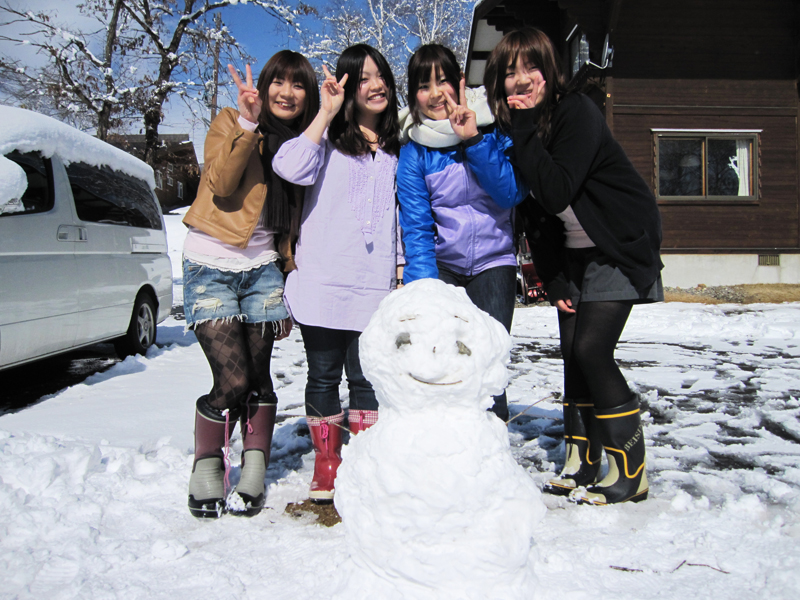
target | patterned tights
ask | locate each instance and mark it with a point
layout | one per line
(239, 355)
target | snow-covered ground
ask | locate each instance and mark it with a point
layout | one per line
(93, 480)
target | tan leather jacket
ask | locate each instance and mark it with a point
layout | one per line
(232, 188)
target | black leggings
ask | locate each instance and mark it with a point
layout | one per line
(588, 340)
(239, 355)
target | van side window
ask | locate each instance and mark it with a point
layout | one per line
(38, 197)
(103, 195)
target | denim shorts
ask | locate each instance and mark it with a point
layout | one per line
(254, 296)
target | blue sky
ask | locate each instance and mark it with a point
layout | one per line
(260, 34)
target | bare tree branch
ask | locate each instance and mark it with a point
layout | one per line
(394, 27)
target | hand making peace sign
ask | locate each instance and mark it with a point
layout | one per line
(462, 118)
(247, 98)
(536, 96)
(332, 93)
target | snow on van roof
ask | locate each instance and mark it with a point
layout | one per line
(27, 131)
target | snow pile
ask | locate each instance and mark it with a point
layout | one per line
(433, 503)
(27, 131)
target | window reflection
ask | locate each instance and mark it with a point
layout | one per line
(705, 166)
(680, 167)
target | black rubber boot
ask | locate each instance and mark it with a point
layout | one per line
(584, 451)
(257, 422)
(623, 438)
(207, 483)
(500, 407)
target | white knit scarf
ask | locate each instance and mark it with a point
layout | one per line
(440, 134)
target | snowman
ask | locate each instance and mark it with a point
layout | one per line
(432, 501)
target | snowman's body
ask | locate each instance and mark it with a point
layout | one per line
(433, 503)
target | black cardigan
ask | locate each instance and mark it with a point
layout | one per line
(583, 166)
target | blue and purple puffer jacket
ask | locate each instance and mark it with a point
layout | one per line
(456, 206)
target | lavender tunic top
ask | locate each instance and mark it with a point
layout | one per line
(347, 252)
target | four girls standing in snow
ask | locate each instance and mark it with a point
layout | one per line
(591, 220)
(595, 234)
(347, 252)
(241, 228)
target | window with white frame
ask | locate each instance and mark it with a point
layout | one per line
(159, 181)
(707, 164)
(170, 181)
(180, 189)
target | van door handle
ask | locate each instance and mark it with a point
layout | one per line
(72, 233)
(66, 233)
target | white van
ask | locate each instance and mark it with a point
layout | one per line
(83, 248)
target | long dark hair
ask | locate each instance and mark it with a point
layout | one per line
(344, 131)
(282, 195)
(293, 66)
(536, 48)
(426, 58)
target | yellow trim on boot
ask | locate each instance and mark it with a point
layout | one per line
(625, 414)
(588, 448)
(625, 462)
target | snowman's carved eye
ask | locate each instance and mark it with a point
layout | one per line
(462, 349)
(402, 339)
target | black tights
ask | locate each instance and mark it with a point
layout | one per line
(239, 355)
(588, 340)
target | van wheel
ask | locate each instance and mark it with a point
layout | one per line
(142, 330)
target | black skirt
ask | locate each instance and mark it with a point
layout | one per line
(593, 277)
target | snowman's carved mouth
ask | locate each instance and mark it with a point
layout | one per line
(434, 382)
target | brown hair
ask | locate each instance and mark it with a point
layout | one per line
(426, 58)
(536, 48)
(293, 66)
(344, 131)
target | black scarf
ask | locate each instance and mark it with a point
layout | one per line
(280, 194)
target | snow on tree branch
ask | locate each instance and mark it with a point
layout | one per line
(394, 27)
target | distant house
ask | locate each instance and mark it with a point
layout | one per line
(177, 172)
(703, 97)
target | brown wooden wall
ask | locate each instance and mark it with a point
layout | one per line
(713, 65)
(706, 39)
(695, 64)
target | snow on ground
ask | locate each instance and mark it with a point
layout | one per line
(93, 479)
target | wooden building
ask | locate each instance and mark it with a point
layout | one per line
(177, 172)
(703, 97)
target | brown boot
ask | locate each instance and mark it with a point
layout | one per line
(207, 483)
(257, 423)
(326, 434)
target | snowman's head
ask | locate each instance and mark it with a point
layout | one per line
(428, 343)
